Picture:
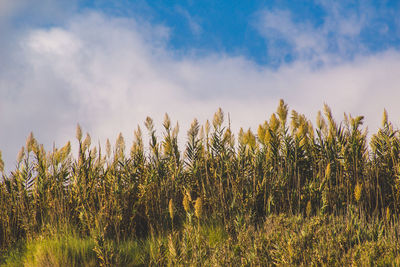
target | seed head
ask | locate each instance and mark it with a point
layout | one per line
(167, 122)
(274, 123)
(308, 208)
(30, 141)
(198, 207)
(186, 203)
(171, 208)
(201, 134)
(207, 127)
(320, 120)
(78, 132)
(87, 142)
(388, 215)
(282, 111)
(261, 133)
(218, 118)
(93, 153)
(175, 131)
(357, 192)
(21, 154)
(120, 145)
(65, 151)
(108, 148)
(1, 163)
(149, 124)
(384, 118)
(328, 171)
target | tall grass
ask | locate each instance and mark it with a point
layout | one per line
(157, 192)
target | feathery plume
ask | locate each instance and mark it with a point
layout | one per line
(78, 132)
(30, 141)
(171, 209)
(218, 118)
(1, 163)
(108, 148)
(308, 208)
(198, 207)
(357, 192)
(186, 203)
(21, 154)
(86, 142)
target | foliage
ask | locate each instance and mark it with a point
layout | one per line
(236, 188)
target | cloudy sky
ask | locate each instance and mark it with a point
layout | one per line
(109, 64)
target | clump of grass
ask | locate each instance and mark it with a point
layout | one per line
(65, 250)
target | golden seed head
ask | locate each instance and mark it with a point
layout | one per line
(261, 133)
(1, 163)
(241, 138)
(186, 203)
(93, 153)
(282, 111)
(78, 132)
(194, 128)
(64, 152)
(87, 142)
(295, 120)
(328, 112)
(249, 139)
(357, 192)
(328, 171)
(388, 215)
(138, 134)
(120, 144)
(21, 154)
(201, 134)
(108, 148)
(167, 121)
(267, 136)
(207, 127)
(198, 207)
(320, 121)
(218, 118)
(175, 131)
(274, 123)
(384, 118)
(308, 208)
(149, 124)
(310, 130)
(171, 208)
(30, 141)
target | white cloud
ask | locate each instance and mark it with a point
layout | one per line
(330, 42)
(37, 11)
(108, 74)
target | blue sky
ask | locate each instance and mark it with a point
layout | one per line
(109, 64)
(232, 26)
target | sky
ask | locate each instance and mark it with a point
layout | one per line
(107, 65)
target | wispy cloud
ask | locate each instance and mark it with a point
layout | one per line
(192, 21)
(337, 39)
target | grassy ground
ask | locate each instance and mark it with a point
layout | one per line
(279, 240)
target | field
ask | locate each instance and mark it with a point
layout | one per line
(290, 194)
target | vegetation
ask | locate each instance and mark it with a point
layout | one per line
(289, 194)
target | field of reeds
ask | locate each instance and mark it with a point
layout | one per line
(292, 193)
